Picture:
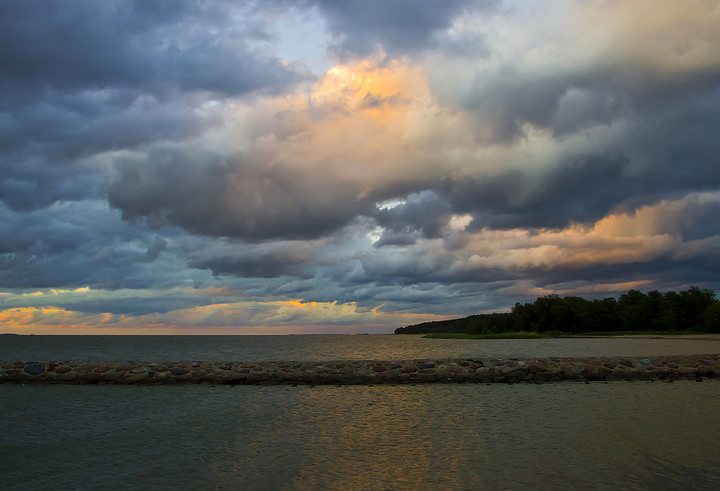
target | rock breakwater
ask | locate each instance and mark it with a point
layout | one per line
(352, 372)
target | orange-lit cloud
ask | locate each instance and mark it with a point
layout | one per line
(651, 232)
(273, 317)
(361, 126)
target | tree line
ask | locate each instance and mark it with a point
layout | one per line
(694, 310)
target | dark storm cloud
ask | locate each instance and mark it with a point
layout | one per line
(231, 196)
(257, 260)
(581, 190)
(36, 184)
(663, 273)
(150, 45)
(701, 220)
(424, 212)
(84, 244)
(663, 148)
(156, 249)
(567, 101)
(398, 27)
(412, 267)
(46, 142)
(82, 78)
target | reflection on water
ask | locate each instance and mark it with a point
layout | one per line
(331, 347)
(637, 435)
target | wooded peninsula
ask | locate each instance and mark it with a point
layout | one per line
(693, 311)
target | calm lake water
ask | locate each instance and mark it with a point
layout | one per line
(330, 347)
(620, 435)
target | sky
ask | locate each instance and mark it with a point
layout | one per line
(347, 166)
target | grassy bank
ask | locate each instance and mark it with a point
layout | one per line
(506, 335)
(556, 334)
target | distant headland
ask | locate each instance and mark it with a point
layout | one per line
(694, 311)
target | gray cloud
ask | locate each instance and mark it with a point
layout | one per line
(156, 46)
(84, 244)
(581, 190)
(424, 212)
(157, 247)
(268, 260)
(83, 78)
(397, 26)
(218, 196)
(646, 136)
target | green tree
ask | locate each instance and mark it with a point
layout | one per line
(600, 316)
(695, 301)
(670, 312)
(712, 317)
(635, 311)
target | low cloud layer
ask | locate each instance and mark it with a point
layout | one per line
(451, 159)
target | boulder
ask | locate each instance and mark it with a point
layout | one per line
(34, 368)
(705, 371)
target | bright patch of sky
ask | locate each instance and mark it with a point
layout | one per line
(302, 36)
(390, 204)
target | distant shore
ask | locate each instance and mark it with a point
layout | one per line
(698, 337)
(341, 372)
(533, 335)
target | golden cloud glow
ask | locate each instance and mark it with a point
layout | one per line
(648, 233)
(272, 317)
(370, 89)
(361, 126)
(298, 303)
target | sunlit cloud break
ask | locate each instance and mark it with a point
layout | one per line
(349, 167)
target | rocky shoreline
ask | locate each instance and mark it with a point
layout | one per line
(352, 372)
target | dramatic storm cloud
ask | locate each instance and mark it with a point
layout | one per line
(347, 166)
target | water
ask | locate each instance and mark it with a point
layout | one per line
(331, 347)
(622, 435)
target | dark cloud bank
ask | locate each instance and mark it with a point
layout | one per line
(104, 181)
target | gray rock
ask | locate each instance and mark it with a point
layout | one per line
(35, 368)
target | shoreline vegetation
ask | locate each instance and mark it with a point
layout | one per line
(690, 312)
(557, 334)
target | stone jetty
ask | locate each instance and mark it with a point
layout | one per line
(353, 372)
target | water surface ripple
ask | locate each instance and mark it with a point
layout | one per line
(634, 435)
(332, 347)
